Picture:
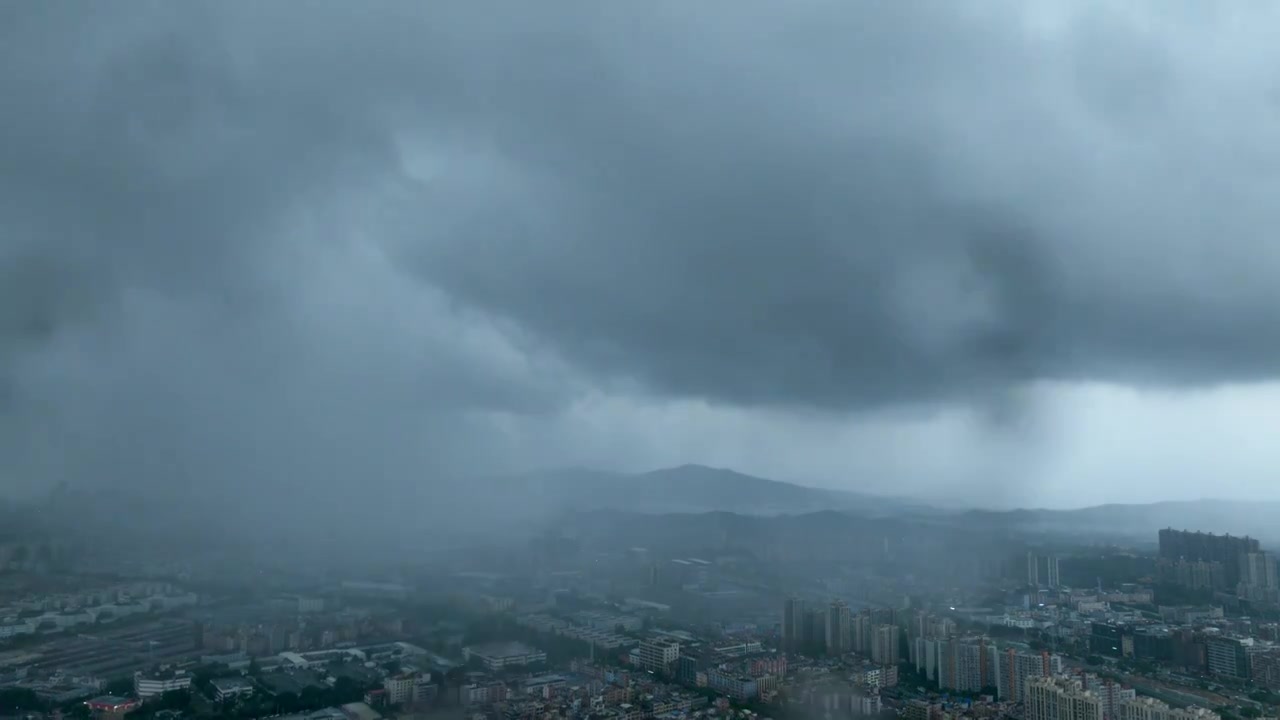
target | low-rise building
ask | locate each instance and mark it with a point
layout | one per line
(408, 688)
(874, 677)
(151, 684)
(496, 656)
(659, 654)
(608, 621)
(112, 705)
(1146, 708)
(738, 687)
(542, 685)
(1049, 698)
(483, 693)
(225, 689)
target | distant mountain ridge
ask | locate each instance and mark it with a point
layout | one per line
(695, 489)
(1144, 520)
(692, 489)
(513, 506)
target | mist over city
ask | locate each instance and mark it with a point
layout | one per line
(664, 360)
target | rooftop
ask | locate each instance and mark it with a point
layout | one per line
(106, 701)
(662, 642)
(502, 649)
(232, 683)
(361, 711)
(162, 674)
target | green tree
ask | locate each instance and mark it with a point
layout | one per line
(122, 687)
(455, 676)
(345, 690)
(312, 698)
(202, 677)
(255, 707)
(175, 700)
(287, 702)
(16, 700)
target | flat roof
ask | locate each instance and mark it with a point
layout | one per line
(545, 679)
(110, 701)
(502, 649)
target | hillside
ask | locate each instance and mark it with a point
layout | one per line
(514, 506)
(686, 489)
(1143, 521)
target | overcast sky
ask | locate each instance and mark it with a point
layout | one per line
(1003, 253)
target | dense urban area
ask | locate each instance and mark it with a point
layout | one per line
(727, 624)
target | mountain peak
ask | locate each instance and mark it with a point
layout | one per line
(690, 468)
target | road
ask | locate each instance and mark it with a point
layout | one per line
(1160, 689)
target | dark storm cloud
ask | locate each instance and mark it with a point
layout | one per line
(191, 301)
(805, 205)
(291, 243)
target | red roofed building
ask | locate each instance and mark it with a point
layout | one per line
(112, 705)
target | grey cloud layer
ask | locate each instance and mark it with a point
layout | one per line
(283, 238)
(844, 206)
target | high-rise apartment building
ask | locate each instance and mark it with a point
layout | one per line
(1018, 666)
(1229, 656)
(884, 648)
(1258, 581)
(964, 664)
(1207, 547)
(793, 617)
(839, 631)
(1195, 574)
(1056, 698)
(976, 666)
(1258, 569)
(1050, 563)
(813, 641)
(863, 629)
(1111, 693)
(928, 651)
(925, 656)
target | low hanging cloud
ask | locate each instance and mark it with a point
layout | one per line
(281, 245)
(845, 207)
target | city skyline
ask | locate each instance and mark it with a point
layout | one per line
(651, 360)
